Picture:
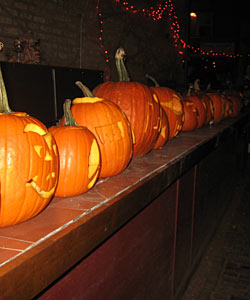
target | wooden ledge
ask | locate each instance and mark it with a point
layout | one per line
(37, 252)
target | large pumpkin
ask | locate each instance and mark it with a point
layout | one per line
(172, 104)
(111, 128)
(137, 102)
(79, 156)
(191, 116)
(28, 164)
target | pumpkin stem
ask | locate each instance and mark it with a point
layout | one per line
(4, 105)
(120, 66)
(190, 88)
(197, 85)
(86, 91)
(153, 79)
(69, 119)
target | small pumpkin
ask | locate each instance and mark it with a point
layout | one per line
(111, 128)
(29, 164)
(191, 116)
(172, 104)
(141, 107)
(79, 156)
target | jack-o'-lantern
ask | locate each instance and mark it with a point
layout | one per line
(191, 116)
(219, 106)
(111, 128)
(210, 108)
(28, 164)
(164, 130)
(194, 90)
(79, 156)
(201, 107)
(236, 105)
(172, 104)
(137, 102)
(228, 106)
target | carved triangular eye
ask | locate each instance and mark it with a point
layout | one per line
(38, 149)
(31, 127)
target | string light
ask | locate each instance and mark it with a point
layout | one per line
(100, 38)
(163, 9)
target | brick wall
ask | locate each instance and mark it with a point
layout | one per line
(68, 31)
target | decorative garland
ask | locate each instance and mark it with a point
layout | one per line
(163, 7)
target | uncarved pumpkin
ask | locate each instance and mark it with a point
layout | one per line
(137, 102)
(111, 128)
(29, 164)
(79, 156)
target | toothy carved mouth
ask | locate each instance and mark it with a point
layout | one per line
(43, 194)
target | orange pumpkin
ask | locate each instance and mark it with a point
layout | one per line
(236, 105)
(79, 156)
(194, 90)
(219, 106)
(164, 133)
(210, 108)
(137, 102)
(228, 107)
(201, 107)
(171, 102)
(29, 164)
(111, 128)
(191, 116)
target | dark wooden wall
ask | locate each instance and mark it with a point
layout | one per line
(41, 90)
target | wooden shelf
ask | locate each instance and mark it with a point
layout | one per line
(36, 253)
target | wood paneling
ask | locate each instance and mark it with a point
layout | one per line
(135, 263)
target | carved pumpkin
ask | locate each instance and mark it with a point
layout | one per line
(236, 105)
(191, 116)
(210, 108)
(228, 107)
(164, 130)
(137, 102)
(79, 156)
(28, 164)
(219, 106)
(111, 128)
(171, 102)
(201, 107)
(194, 90)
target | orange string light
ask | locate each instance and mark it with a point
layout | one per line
(164, 8)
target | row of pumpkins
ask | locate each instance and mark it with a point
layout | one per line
(97, 137)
